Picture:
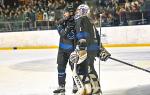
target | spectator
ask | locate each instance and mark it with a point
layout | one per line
(39, 19)
(52, 16)
(39, 15)
(122, 14)
(45, 16)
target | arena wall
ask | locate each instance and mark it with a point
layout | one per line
(111, 37)
(126, 35)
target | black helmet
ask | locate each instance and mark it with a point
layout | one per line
(69, 8)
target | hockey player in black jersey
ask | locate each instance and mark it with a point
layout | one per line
(67, 45)
(88, 40)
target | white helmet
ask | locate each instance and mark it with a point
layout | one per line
(82, 10)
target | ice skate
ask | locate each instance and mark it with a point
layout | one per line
(75, 89)
(59, 91)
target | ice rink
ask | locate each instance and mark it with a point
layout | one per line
(34, 72)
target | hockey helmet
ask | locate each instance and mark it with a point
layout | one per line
(82, 10)
(69, 8)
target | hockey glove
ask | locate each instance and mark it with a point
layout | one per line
(104, 54)
(78, 56)
(74, 57)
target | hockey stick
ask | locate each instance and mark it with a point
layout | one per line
(100, 23)
(77, 79)
(129, 64)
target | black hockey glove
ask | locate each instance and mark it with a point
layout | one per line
(104, 54)
(82, 44)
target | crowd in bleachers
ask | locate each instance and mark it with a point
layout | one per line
(33, 10)
(114, 12)
(121, 12)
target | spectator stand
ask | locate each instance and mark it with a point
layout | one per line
(28, 15)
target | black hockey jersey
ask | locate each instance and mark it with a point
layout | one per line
(66, 30)
(86, 30)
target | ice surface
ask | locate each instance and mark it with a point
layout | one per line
(34, 72)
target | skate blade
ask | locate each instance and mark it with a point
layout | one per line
(59, 93)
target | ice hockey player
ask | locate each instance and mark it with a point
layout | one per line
(88, 40)
(66, 30)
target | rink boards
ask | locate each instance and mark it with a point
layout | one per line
(111, 37)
